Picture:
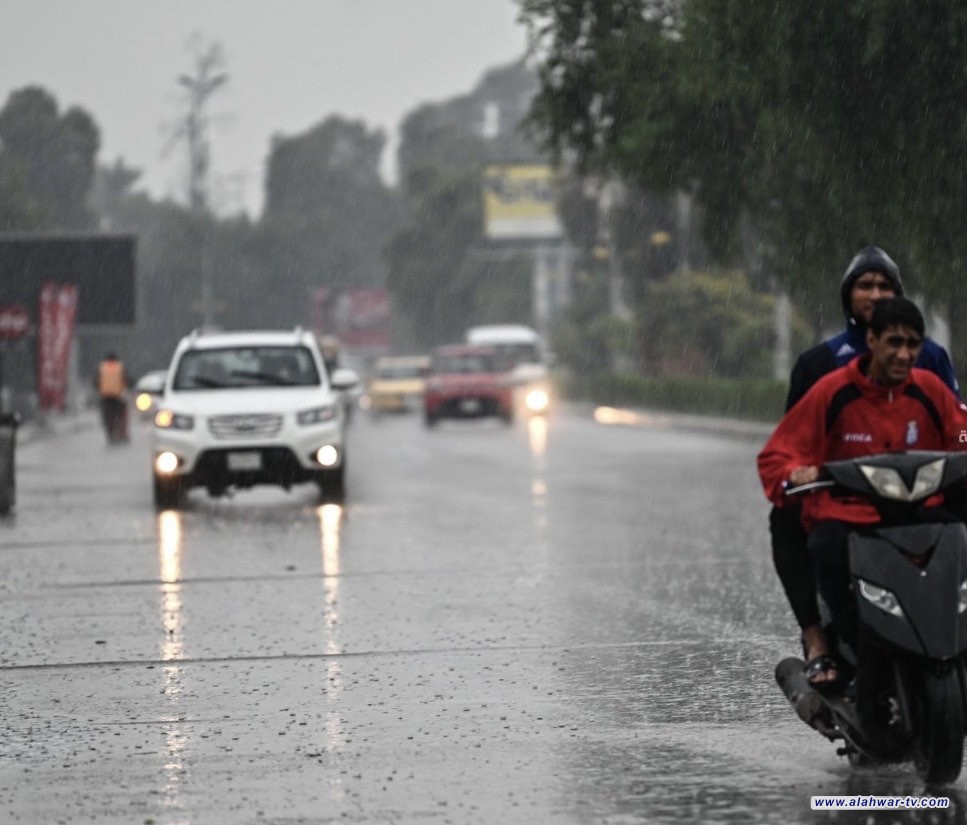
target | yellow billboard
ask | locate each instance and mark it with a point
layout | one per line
(519, 203)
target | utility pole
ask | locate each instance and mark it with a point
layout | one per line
(194, 130)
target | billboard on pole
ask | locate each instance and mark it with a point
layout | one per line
(519, 203)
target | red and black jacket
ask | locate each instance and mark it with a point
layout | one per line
(846, 415)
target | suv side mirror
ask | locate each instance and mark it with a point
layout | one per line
(344, 378)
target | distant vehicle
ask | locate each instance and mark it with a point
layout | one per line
(147, 391)
(467, 381)
(247, 408)
(522, 351)
(398, 383)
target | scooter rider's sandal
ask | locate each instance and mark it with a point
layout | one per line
(819, 665)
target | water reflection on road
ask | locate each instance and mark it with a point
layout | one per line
(537, 441)
(176, 730)
(330, 523)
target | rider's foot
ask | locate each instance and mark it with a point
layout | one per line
(820, 667)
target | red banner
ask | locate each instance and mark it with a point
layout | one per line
(55, 331)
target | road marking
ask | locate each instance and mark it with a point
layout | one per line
(295, 657)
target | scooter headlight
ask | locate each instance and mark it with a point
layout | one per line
(884, 599)
(887, 482)
(928, 479)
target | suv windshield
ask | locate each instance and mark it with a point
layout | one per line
(522, 353)
(238, 367)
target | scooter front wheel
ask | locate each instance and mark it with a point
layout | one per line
(940, 737)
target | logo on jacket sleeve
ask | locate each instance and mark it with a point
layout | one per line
(913, 433)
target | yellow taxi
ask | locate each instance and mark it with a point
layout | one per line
(397, 384)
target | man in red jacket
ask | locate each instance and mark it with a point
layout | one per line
(877, 403)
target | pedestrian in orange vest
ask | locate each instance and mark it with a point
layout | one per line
(112, 386)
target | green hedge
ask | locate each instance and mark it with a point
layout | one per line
(755, 399)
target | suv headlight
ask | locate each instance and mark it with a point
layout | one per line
(316, 415)
(170, 420)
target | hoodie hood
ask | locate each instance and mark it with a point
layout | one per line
(869, 259)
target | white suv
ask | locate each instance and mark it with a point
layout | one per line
(246, 408)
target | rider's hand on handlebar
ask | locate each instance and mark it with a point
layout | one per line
(803, 475)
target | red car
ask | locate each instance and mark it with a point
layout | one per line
(467, 381)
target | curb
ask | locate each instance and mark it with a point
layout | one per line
(647, 417)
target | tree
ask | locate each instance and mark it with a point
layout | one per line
(473, 129)
(823, 126)
(430, 275)
(47, 162)
(441, 274)
(729, 329)
(111, 188)
(327, 211)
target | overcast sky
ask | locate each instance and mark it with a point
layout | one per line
(291, 64)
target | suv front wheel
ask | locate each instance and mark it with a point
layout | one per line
(332, 483)
(167, 493)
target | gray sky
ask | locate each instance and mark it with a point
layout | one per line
(292, 63)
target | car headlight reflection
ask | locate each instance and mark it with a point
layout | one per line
(316, 415)
(170, 420)
(884, 599)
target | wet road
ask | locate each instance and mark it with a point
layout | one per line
(571, 623)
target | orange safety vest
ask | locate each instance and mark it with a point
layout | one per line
(110, 379)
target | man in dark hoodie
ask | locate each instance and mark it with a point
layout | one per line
(871, 275)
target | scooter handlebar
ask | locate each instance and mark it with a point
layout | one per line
(808, 487)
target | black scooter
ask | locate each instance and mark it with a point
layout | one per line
(909, 579)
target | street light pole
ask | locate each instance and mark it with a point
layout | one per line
(200, 88)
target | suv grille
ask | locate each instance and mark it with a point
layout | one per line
(232, 426)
